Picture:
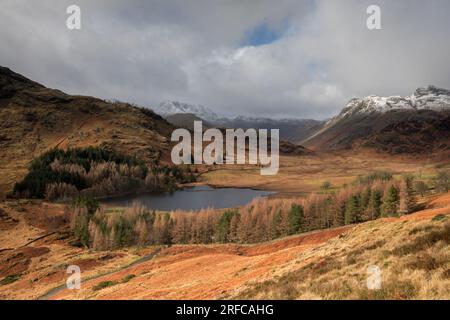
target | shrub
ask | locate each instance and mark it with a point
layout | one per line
(325, 185)
(9, 279)
(103, 285)
(425, 241)
(128, 278)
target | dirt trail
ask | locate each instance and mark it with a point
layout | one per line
(178, 272)
(200, 271)
(221, 271)
(62, 287)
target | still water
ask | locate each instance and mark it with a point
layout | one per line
(191, 198)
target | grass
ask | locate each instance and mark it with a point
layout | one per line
(308, 173)
(413, 257)
(392, 290)
(422, 242)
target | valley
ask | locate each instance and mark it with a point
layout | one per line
(316, 265)
(370, 188)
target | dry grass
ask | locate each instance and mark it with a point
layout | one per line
(413, 256)
(304, 174)
(411, 251)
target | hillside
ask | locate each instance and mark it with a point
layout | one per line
(33, 119)
(411, 251)
(418, 124)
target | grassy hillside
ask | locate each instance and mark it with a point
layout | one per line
(394, 132)
(34, 119)
(411, 251)
(412, 255)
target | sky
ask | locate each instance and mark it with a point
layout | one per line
(278, 59)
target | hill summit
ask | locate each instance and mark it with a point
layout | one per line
(416, 124)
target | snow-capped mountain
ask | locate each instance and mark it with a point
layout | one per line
(429, 98)
(168, 108)
(419, 123)
(183, 114)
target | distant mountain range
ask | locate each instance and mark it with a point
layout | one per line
(419, 123)
(34, 118)
(183, 114)
(168, 108)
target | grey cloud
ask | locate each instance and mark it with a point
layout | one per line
(149, 51)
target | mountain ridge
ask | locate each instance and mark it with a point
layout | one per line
(414, 124)
(183, 114)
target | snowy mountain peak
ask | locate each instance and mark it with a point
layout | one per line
(168, 108)
(431, 98)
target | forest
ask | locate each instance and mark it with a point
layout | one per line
(367, 198)
(66, 174)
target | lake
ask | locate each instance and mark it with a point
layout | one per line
(192, 198)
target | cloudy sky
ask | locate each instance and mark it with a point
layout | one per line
(285, 58)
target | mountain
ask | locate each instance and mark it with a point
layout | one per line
(168, 108)
(186, 120)
(292, 130)
(419, 123)
(34, 118)
(183, 114)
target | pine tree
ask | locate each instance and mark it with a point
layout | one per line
(275, 225)
(352, 210)
(405, 201)
(365, 200)
(390, 204)
(374, 206)
(339, 204)
(223, 226)
(296, 218)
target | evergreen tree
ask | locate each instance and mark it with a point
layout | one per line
(352, 210)
(390, 204)
(405, 200)
(374, 206)
(223, 226)
(275, 225)
(296, 218)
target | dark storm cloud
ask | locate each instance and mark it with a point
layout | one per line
(198, 51)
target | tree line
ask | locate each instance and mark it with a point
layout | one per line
(65, 174)
(261, 220)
